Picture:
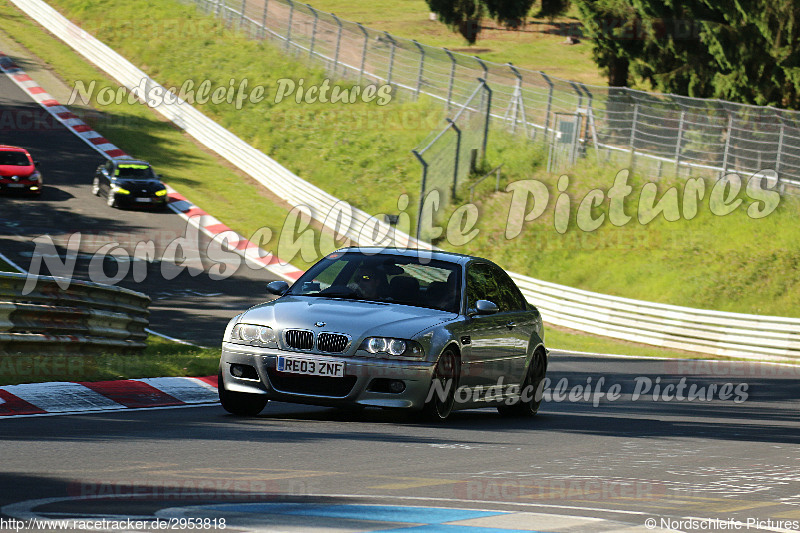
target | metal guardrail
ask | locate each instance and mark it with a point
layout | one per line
(710, 332)
(84, 318)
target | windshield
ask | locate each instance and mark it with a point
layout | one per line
(14, 159)
(384, 278)
(135, 172)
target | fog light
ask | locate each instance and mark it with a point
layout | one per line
(397, 386)
(244, 372)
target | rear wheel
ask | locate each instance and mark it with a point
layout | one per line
(443, 387)
(530, 396)
(239, 403)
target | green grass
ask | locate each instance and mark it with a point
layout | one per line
(160, 358)
(730, 263)
(537, 46)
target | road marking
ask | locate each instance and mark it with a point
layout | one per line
(415, 482)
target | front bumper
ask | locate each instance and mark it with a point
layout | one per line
(352, 390)
(20, 187)
(130, 200)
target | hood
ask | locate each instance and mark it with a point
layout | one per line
(6, 171)
(355, 318)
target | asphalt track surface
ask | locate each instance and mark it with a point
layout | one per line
(624, 461)
(187, 303)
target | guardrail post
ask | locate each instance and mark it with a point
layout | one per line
(264, 20)
(338, 44)
(421, 68)
(549, 104)
(363, 52)
(727, 145)
(218, 8)
(633, 136)
(313, 31)
(391, 57)
(452, 76)
(289, 25)
(458, 153)
(241, 15)
(421, 190)
(678, 144)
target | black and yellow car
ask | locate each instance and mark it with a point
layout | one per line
(129, 183)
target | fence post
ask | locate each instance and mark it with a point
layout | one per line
(313, 30)
(338, 43)
(780, 149)
(590, 122)
(421, 68)
(241, 15)
(363, 52)
(727, 145)
(519, 104)
(452, 76)
(289, 25)
(678, 144)
(633, 135)
(218, 8)
(458, 153)
(549, 104)
(484, 77)
(421, 190)
(264, 21)
(391, 57)
(488, 116)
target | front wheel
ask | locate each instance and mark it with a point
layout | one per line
(441, 397)
(530, 395)
(96, 187)
(111, 200)
(239, 403)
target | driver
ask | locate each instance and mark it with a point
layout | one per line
(369, 282)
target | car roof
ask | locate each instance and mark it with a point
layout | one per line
(131, 162)
(439, 255)
(9, 148)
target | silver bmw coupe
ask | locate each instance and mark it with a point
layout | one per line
(396, 329)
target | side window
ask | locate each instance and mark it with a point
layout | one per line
(480, 285)
(110, 168)
(511, 298)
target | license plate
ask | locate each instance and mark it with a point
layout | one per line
(17, 185)
(310, 366)
(144, 200)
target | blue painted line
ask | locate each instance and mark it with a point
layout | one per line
(379, 513)
(444, 528)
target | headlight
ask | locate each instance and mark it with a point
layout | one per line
(162, 192)
(253, 334)
(393, 347)
(120, 190)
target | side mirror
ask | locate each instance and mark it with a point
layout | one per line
(278, 288)
(36, 163)
(484, 307)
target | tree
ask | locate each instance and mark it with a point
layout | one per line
(466, 15)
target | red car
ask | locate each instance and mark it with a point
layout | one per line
(18, 171)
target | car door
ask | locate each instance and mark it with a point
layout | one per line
(519, 324)
(488, 334)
